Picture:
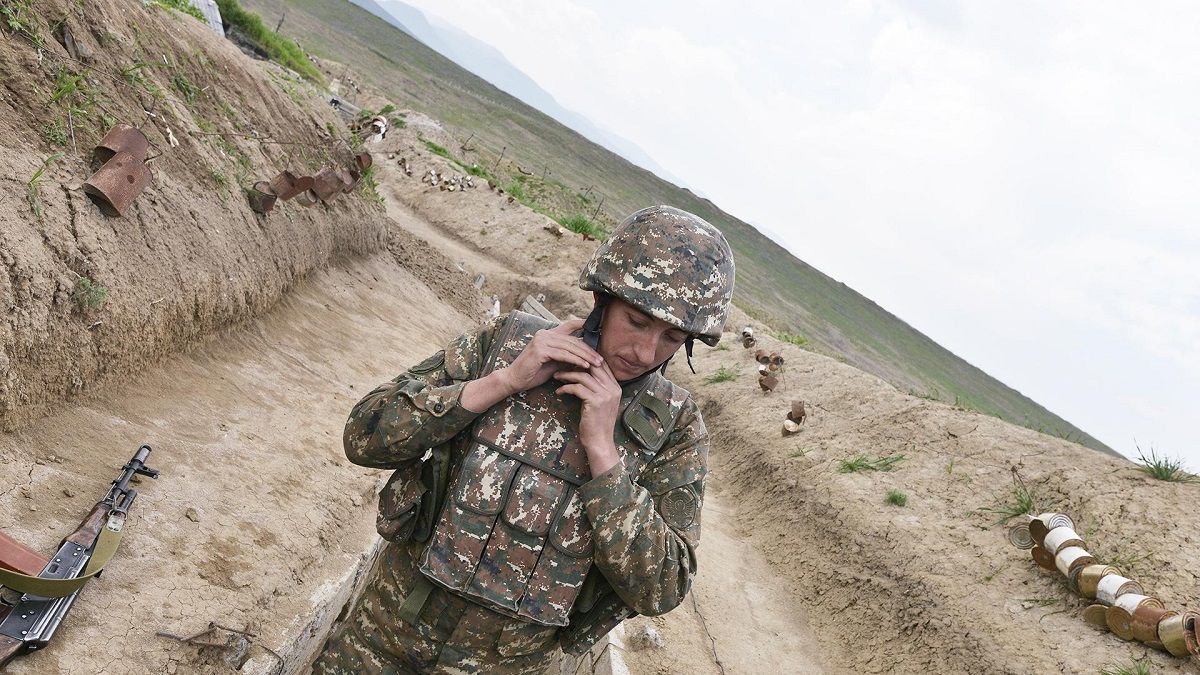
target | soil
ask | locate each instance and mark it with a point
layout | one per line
(235, 345)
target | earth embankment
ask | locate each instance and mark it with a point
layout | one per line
(90, 298)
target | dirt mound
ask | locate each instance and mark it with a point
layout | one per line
(933, 584)
(91, 298)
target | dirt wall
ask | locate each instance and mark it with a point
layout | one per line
(189, 257)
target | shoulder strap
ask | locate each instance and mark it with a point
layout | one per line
(519, 325)
(651, 416)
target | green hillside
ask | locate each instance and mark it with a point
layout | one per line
(772, 284)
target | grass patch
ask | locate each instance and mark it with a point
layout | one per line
(723, 374)
(1139, 667)
(189, 91)
(583, 225)
(286, 52)
(33, 187)
(896, 498)
(368, 186)
(183, 6)
(1163, 468)
(88, 294)
(1020, 501)
(791, 338)
(479, 172)
(18, 18)
(437, 149)
(54, 133)
(864, 463)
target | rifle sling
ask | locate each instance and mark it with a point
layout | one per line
(106, 546)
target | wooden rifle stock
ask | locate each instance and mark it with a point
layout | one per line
(18, 557)
(9, 649)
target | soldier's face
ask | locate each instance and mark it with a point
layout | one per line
(633, 342)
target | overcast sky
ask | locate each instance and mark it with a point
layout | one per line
(1018, 180)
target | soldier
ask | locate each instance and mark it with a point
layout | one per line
(562, 486)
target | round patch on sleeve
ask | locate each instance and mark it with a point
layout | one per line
(679, 508)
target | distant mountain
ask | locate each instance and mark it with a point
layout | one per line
(488, 63)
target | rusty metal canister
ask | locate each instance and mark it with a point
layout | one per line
(286, 184)
(762, 357)
(1172, 633)
(1120, 615)
(1060, 538)
(307, 198)
(1096, 615)
(797, 412)
(261, 199)
(1070, 558)
(1042, 557)
(1191, 634)
(363, 161)
(1113, 586)
(1042, 524)
(1119, 622)
(121, 138)
(1090, 577)
(1145, 620)
(114, 187)
(326, 184)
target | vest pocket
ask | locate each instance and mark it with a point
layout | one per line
(533, 501)
(399, 502)
(572, 533)
(483, 480)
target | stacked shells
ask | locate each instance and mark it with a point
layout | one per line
(1121, 605)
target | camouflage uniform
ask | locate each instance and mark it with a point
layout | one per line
(511, 548)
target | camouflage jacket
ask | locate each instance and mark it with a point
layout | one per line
(645, 528)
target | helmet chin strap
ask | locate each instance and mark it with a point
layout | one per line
(591, 333)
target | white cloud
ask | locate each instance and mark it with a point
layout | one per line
(1015, 179)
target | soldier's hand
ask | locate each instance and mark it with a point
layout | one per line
(550, 351)
(600, 393)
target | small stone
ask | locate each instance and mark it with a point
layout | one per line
(356, 500)
(39, 462)
(68, 492)
(32, 507)
(192, 515)
(52, 458)
(646, 637)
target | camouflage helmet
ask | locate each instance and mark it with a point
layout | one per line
(670, 264)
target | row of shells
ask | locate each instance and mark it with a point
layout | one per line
(1120, 604)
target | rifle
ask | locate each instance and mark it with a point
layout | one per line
(46, 599)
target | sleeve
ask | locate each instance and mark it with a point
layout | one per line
(646, 533)
(398, 421)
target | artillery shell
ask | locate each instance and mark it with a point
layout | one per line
(114, 187)
(1060, 538)
(1172, 633)
(1113, 586)
(1042, 557)
(1096, 615)
(1071, 557)
(1090, 576)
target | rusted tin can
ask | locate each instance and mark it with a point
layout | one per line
(261, 199)
(1070, 558)
(1060, 538)
(790, 427)
(121, 138)
(1113, 586)
(1144, 621)
(797, 412)
(363, 161)
(1096, 615)
(1042, 557)
(1191, 628)
(1018, 535)
(1073, 579)
(1119, 622)
(114, 187)
(762, 357)
(307, 199)
(1090, 577)
(286, 184)
(1172, 633)
(1040, 525)
(327, 184)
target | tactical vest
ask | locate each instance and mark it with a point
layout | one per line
(513, 535)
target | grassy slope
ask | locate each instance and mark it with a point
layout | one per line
(772, 284)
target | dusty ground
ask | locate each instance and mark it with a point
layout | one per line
(803, 568)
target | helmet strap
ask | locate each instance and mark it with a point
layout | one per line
(591, 325)
(687, 346)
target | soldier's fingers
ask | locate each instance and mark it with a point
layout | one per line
(578, 376)
(605, 375)
(567, 356)
(577, 390)
(576, 346)
(569, 326)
